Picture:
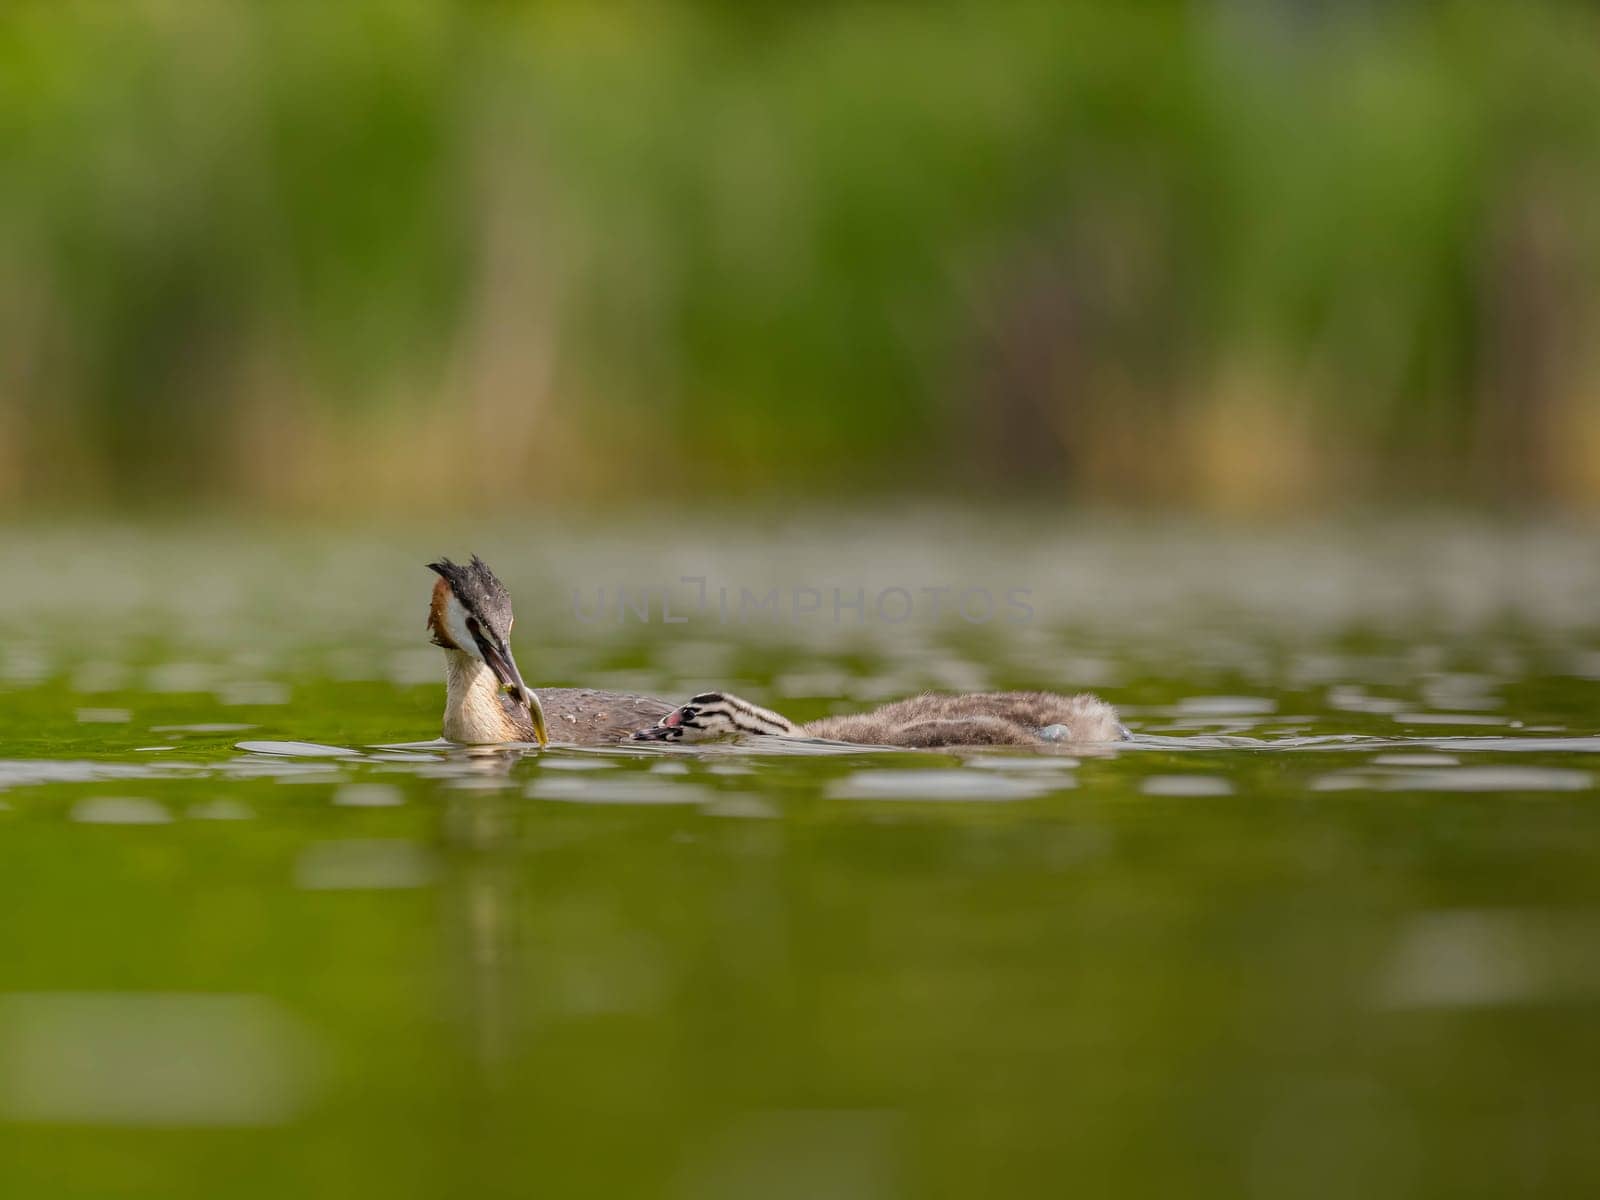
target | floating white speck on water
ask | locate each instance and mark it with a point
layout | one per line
(938, 785)
(220, 810)
(104, 716)
(1186, 785)
(120, 810)
(152, 1059)
(378, 864)
(368, 795)
(635, 789)
(253, 692)
(1459, 779)
(297, 749)
(1467, 958)
(1226, 706)
(206, 727)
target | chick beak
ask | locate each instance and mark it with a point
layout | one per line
(498, 655)
(663, 729)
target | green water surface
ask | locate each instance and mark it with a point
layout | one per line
(1329, 928)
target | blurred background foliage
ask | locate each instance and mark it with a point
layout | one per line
(1242, 255)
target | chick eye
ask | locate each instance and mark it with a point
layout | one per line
(690, 714)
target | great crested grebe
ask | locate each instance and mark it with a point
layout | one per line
(485, 698)
(922, 722)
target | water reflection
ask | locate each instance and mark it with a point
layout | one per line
(148, 1059)
(363, 865)
(1186, 785)
(954, 784)
(1476, 958)
(368, 795)
(120, 810)
(1458, 778)
(586, 775)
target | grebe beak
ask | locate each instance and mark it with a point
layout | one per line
(497, 654)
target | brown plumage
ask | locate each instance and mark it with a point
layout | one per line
(974, 719)
(921, 722)
(590, 718)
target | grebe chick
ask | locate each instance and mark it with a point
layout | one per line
(922, 722)
(485, 699)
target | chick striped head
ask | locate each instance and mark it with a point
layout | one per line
(713, 715)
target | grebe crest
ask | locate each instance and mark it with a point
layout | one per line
(469, 617)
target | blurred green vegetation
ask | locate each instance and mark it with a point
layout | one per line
(418, 253)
